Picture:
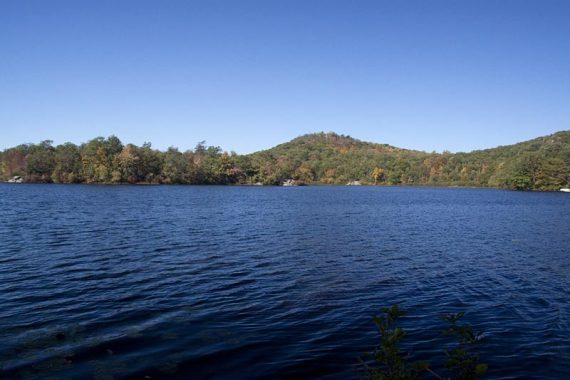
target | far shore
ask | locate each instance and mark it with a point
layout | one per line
(434, 186)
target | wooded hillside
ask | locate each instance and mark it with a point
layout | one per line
(325, 158)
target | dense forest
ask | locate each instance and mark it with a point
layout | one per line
(321, 158)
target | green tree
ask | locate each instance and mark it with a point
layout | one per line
(98, 159)
(40, 161)
(68, 164)
(175, 167)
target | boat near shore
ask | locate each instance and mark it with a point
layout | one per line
(565, 190)
(294, 182)
(289, 182)
(16, 179)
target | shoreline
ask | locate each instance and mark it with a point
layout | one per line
(278, 186)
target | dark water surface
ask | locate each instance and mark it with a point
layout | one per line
(256, 282)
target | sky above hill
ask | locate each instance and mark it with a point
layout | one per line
(247, 75)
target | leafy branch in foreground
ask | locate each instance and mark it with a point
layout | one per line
(391, 363)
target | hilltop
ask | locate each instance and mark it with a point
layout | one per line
(540, 164)
(330, 158)
(320, 158)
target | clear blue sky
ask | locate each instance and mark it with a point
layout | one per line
(246, 75)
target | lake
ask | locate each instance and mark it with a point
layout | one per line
(259, 282)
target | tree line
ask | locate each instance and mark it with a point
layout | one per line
(322, 158)
(107, 161)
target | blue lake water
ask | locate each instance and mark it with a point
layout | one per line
(259, 282)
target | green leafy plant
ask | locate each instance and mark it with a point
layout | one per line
(461, 360)
(392, 363)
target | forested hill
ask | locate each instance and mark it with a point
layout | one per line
(539, 164)
(327, 158)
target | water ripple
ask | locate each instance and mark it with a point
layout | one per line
(128, 282)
